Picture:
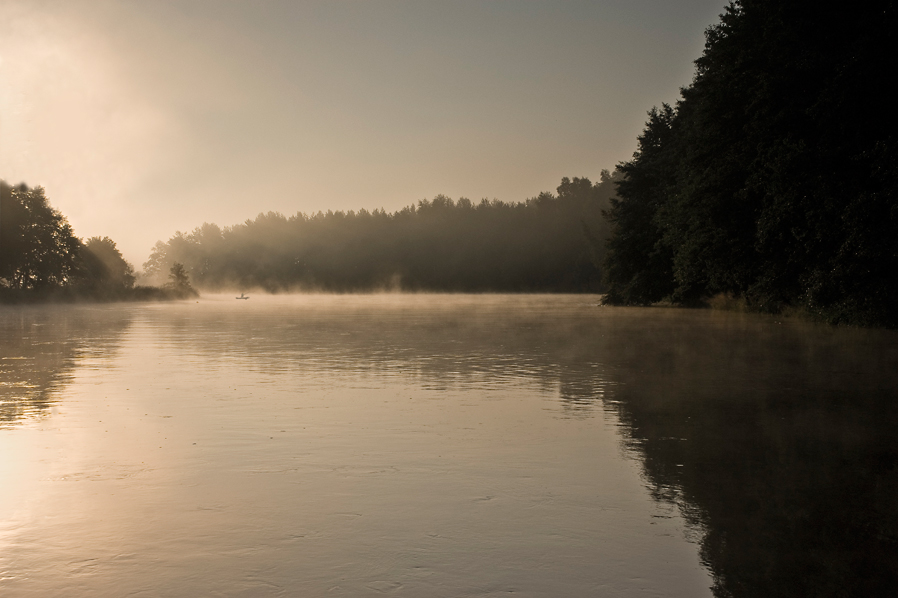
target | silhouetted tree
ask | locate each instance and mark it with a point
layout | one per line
(179, 282)
(773, 178)
(638, 267)
(37, 247)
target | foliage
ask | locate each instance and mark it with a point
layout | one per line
(638, 270)
(542, 244)
(104, 265)
(42, 260)
(37, 248)
(773, 179)
(547, 243)
(179, 283)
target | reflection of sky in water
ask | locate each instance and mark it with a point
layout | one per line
(440, 445)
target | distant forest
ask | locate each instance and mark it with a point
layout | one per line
(549, 243)
(773, 179)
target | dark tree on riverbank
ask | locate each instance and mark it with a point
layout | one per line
(42, 260)
(37, 247)
(774, 177)
(542, 244)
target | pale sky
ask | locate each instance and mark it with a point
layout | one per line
(144, 117)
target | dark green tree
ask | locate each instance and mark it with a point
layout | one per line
(775, 179)
(37, 248)
(638, 266)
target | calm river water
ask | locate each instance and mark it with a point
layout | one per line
(440, 445)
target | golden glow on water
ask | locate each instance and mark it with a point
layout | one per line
(306, 445)
(418, 444)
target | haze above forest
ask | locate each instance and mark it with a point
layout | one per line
(143, 118)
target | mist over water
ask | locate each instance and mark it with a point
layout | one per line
(442, 445)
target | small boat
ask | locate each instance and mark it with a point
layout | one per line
(242, 296)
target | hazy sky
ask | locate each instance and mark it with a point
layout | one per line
(145, 117)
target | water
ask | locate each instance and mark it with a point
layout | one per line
(426, 445)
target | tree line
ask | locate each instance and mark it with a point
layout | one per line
(773, 178)
(549, 243)
(771, 182)
(41, 258)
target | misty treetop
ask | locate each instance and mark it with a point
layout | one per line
(104, 265)
(774, 177)
(542, 244)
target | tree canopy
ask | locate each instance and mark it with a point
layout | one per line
(37, 247)
(41, 257)
(104, 264)
(773, 178)
(542, 244)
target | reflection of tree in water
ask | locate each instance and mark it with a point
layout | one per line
(41, 346)
(782, 447)
(582, 386)
(462, 346)
(775, 441)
